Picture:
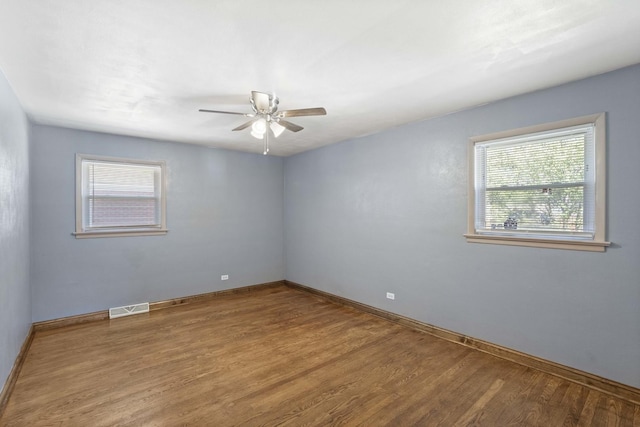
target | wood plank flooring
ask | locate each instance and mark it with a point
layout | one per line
(280, 356)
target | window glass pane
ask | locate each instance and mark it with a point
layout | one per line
(114, 212)
(112, 179)
(554, 161)
(556, 209)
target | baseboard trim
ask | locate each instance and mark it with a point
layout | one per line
(614, 388)
(15, 370)
(158, 305)
(79, 319)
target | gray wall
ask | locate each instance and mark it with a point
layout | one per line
(387, 213)
(224, 213)
(15, 294)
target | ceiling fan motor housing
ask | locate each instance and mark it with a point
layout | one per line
(264, 103)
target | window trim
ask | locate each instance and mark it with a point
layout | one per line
(81, 233)
(598, 243)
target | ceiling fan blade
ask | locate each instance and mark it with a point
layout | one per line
(291, 126)
(247, 124)
(303, 112)
(261, 100)
(225, 112)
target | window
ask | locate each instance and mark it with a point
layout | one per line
(540, 186)
(119, 197)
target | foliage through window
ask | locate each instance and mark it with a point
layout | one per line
(119, 197)
(541, 183)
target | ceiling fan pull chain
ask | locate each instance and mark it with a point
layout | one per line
(266, 143)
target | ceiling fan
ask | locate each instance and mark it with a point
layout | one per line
(266, 120)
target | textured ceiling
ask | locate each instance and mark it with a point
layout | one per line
(145, 67)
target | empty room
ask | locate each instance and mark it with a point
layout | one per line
(221, 213)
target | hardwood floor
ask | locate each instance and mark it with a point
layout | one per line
(283, 357)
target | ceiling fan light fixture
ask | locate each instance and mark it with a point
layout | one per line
(258, 128)
(277, 129)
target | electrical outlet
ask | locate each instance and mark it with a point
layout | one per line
(391, 295)
(224, 277)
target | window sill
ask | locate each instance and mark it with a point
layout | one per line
(575, 245)
(119, 233)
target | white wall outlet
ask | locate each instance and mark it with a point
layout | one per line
(391, 295)
(224, 277)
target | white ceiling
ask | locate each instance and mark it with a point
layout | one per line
(145, 67)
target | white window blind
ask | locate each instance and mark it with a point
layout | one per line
(120, 195)
(541, 184)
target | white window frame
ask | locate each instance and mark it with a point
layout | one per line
(83, 232)
(598, 242)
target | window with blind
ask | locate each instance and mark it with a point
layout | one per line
(118, 197)
(540, 186)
